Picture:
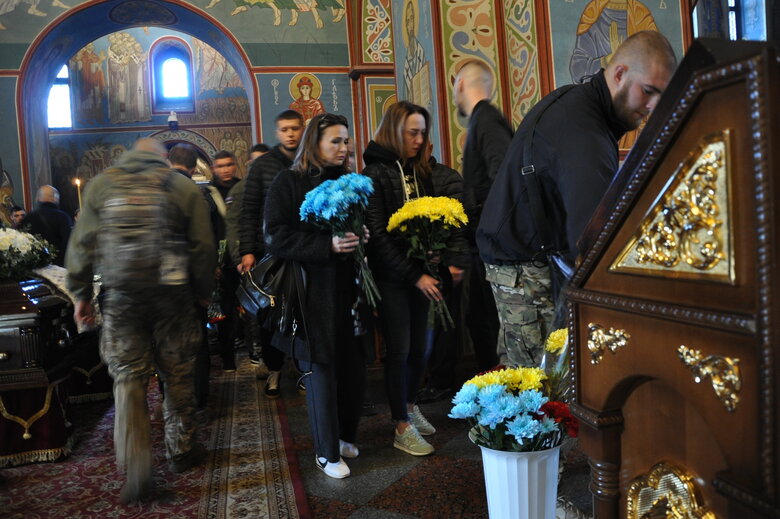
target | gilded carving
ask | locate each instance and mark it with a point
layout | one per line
(723, 372)
(601, 339)
(687, 231)
(666, 491)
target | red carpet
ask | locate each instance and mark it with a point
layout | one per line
(251, 469)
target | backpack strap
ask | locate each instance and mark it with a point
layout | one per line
(531, 179)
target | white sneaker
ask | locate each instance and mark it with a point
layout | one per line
(348, 450)
(417, 419)
(338, 470)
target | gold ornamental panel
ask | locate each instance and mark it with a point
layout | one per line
(601, 339)
(723, 372)
(666, 492)
(687, 232)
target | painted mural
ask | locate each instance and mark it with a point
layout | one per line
(415, 64)
(522, 57)
(111, 103)
(380, 94)
(469, 32)
(32, 8)
(377, 33)
(307, 92)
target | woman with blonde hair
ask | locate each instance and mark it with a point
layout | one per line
(399, 164)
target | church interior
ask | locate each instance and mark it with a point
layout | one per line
(679, 419)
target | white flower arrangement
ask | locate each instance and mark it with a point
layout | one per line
(21, 252)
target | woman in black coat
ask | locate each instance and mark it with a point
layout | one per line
(331, 357)
(397, 162)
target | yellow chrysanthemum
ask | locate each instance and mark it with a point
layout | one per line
(449, 210)
(515, 379)
(557, 340)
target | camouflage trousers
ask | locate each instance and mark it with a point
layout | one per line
(525, 310)
(146, 331)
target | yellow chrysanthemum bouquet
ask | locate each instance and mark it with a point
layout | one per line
(427, 224)
(509, 410)
(555, 363)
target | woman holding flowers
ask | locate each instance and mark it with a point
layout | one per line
(332, 357)
(397, 161)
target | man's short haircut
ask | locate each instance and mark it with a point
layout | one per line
(645, 47)
(150, 145)
(477, 73)
(16, 209)
(289, 115)
(260, 148)
(183, 155)
(224, 154)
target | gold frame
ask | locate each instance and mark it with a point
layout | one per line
(680, 175)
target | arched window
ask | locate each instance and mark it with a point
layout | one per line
(172, 76)
(59, 101)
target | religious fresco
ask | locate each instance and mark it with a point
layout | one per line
(286, 32)
(7, 201)
(469, 32)
(415, 66)
(585, 33)
(522, 46)
(380, 94)
(100, 94)
(377, 32)
(307, 92)
(33, 12)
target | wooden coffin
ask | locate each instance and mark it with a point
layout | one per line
(674, 307)
(35, 331)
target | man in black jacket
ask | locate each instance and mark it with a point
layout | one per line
(49, 222)
(575, 155)
(487, 140)
(289, 130)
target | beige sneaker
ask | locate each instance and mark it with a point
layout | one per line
(412, 443)
(417, 419)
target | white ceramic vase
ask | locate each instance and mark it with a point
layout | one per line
(521, 485)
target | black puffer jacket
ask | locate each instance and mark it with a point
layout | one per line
(386, 251)
(261, 175)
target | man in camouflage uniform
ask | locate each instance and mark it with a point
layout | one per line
(145, 230)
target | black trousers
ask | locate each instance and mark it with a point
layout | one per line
(226, 328)
(334, 395)
(446, 352)
(403, 316)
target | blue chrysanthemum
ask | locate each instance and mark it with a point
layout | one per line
(523, 427)
(464, 410)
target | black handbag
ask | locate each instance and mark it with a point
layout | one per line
(269, 292)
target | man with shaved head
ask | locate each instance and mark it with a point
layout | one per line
(487, 139)
(145, 229)
(49, 222)
(566, 152)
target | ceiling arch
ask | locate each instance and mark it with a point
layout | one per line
(82, 24)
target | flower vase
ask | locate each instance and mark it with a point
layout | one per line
(521, 485)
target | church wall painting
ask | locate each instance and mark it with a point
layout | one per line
(380, 94)
(9, 144)
(468, 32)
(286, 32)
(415, 60)
(377, 32)
(309, 93)
(522, 57)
